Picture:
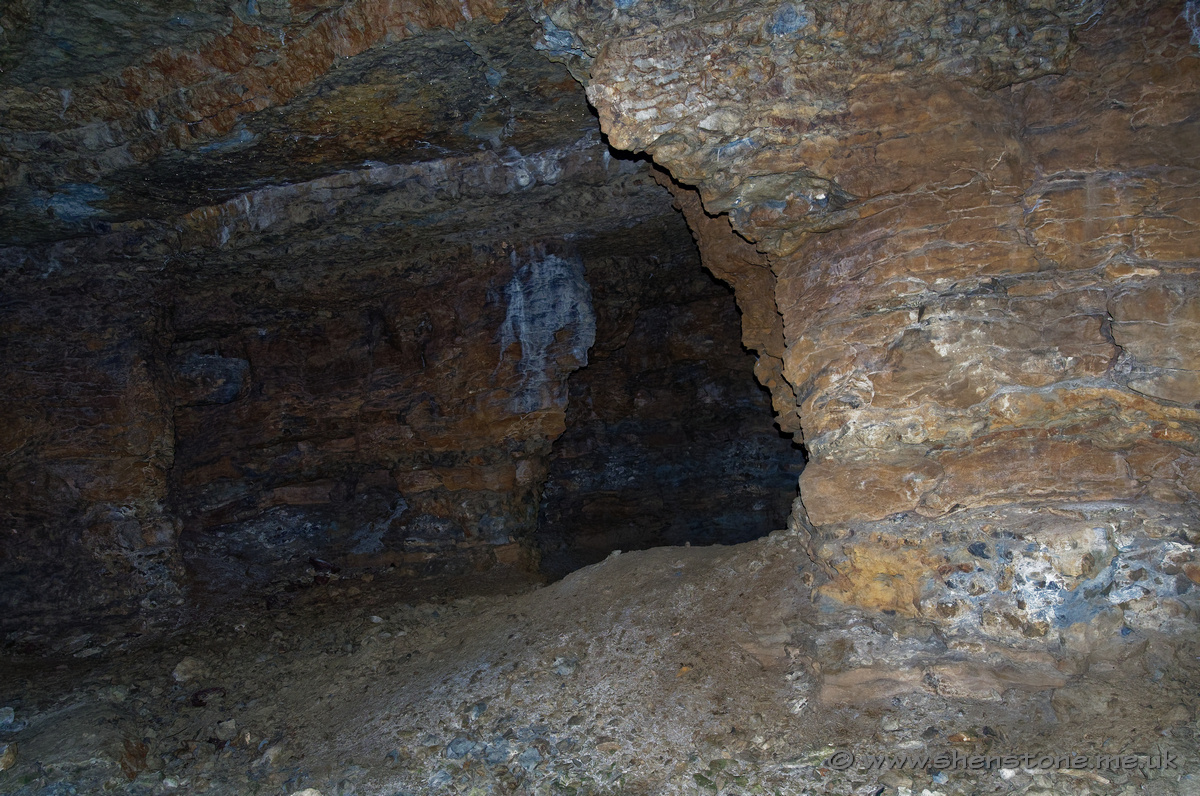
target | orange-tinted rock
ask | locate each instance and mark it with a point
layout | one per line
(964, 241)
(986, 287)
(838, 492)
(181, 96)
(882, 574)
(736, 262)
(1028, 468)
(1158, 324)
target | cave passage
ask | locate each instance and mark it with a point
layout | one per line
(669, 438)
(342, 342)
(438, 334)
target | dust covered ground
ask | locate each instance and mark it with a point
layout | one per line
(668, 671)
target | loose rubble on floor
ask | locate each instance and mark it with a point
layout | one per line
(669, 671)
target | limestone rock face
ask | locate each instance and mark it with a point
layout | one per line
(94, 95)
(979, 223)
(336, 319)
(223, 410)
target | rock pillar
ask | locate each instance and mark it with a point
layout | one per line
(981, 232)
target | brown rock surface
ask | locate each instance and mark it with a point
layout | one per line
(962, 238)
(301, 299)
(240, 409)
(980, 226)
(344, 329)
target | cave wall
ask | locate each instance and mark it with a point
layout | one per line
(202, 429)
(88, 443)
(669, 439)
(980, 227)
(962, 238)
(339, 325)
(403, 423)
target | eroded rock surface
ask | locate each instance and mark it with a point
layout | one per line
(675, 671)
(980, 223)
(324, 267)
(297, 297)
(339, 326)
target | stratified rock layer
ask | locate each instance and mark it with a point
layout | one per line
(981, 224)
(337, 325)
(258, 280)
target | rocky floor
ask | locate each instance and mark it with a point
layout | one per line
(668, 671)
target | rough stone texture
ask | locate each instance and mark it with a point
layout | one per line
(342, 329)
(88, 444)
(981, 220)
(669, 439)
(387, 398)
(739, 264)
(963, 237)
(299, 277)
(80, 109)
(626, 677)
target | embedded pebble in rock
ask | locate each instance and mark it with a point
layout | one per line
(459, 747)
(565, 667)
(188, 670)
(226, 730)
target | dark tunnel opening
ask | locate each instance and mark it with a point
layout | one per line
(669, 438)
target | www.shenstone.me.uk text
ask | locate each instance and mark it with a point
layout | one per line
(954, 760)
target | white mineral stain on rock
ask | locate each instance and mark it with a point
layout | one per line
(546, 295)
(370, 539)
